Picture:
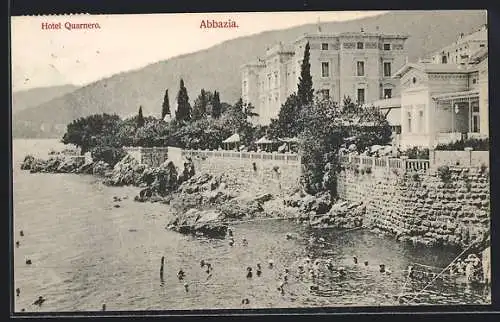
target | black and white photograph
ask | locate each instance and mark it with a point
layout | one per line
(257, 160)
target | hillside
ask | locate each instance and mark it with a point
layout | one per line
(22, 100)
(218, 68)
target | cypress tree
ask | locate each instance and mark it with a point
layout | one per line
(140, 118)
(305, 87)
(165, 109)
(200, 105)
(216, 105)
(183, 112)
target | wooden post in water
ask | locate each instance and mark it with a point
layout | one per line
(161, 267)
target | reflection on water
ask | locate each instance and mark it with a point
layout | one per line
(86, 253)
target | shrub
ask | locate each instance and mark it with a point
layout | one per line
(475, 144)
(110, 155)
(417, 153)
(444, 173)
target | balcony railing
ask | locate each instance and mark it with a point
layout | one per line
(282, 157)
(387, 162)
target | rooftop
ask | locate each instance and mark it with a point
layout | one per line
(434, 68)
(351, 34)
(478, 35)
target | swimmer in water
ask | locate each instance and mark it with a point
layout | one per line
(180, 275)
(259, 269)
(366, 263)
(40, 301)
(186, 286)
(249, 272)
(245, 301)
(271, 264)
(382, 268)
(104, 307)
(244, 242)
(355, 259)
(209, 268)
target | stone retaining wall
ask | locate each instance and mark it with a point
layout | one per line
(264, 178)
(419, 206)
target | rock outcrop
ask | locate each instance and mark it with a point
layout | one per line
(207, 223)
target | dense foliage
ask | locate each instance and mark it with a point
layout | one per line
(326, 128)
(183, 112)
(475, 144)
(417, 153)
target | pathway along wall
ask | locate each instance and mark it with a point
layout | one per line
(422, 207)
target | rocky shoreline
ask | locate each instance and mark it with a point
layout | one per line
(205, 204)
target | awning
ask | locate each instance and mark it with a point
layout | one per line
(263, 140)
(290, 140)
(456, 95)
(232, 139)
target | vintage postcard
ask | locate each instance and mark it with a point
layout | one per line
(207, 161)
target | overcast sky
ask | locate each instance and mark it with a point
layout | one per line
(43, 58)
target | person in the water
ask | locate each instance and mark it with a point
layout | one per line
(21, 233)
(249, 272)
(40, 301)
(259, 269)
(18, 291)
(366, 263)
(209, 268)
(382, 268)
(355, 259)
(244, 242)
(104, 307)
(186, 286)
(181, 275)
(271, 264)
(245, 301)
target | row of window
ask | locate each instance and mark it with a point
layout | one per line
(359, 45)
(360, 69)
(360, 94)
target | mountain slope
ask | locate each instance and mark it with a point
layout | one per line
(218, 68)
(22, 100)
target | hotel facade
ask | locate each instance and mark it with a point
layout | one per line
(355, 64)
(444, 99)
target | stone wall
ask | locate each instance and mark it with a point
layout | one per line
(264, 179)
(421, 207)
(467, 158)
(151, 156)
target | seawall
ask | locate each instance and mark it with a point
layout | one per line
(422, 206)
(277, 176)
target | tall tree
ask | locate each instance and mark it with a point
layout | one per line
(288, 122)
(216, 105)
(140, 118)
(305, 90)
(165, 108)
(200, 105)
(183, 113)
